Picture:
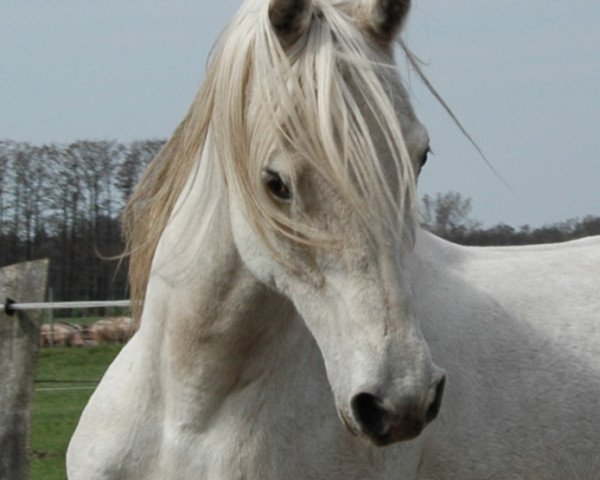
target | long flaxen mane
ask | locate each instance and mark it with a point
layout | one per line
(325, 98)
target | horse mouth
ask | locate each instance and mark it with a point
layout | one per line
(383, 435)
(392, 434)
(395, 434)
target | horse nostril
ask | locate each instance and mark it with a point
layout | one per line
(434, 408)
(368, 413)
(404, 421)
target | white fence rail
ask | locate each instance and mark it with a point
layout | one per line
(11, 306)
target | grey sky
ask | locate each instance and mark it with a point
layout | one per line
(522, 75)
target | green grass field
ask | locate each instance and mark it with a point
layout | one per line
(65, 380)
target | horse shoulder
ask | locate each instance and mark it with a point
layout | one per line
(118, 434)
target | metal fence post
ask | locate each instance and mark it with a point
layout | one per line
(19, 331)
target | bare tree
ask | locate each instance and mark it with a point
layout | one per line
(65, 199)
(447, 214)
(138, 156)
(5, 153)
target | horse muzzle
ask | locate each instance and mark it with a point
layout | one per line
(384, 422)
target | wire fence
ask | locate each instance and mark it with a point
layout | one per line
(11, 306)
(51, 336)
(85, 330)
(64, 389)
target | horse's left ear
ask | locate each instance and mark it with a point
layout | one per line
(290, 18)
(384, 17)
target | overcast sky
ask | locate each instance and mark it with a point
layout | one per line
(522, 75)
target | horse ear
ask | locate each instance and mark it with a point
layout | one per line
(290, 18)
(385, 17)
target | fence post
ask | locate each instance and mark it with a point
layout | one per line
(24, 282)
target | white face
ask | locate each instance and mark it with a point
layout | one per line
(355, 300)
(378, 364)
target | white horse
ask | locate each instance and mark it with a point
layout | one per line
(292, 309)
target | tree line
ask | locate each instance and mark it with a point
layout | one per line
(449, 216)
(64, 202)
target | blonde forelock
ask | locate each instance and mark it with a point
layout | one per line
(327, 98)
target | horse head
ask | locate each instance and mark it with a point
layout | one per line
(325, 211)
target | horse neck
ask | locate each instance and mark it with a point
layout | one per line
(215, 325)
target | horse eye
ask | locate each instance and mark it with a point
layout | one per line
(425, 156)
(277, 186)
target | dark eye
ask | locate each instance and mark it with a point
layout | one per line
(425, 157)
(277, 186)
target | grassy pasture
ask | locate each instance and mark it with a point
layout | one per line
(65, 380)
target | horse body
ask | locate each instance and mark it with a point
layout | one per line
(518, 329)
(292, 325)
(524, 381)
